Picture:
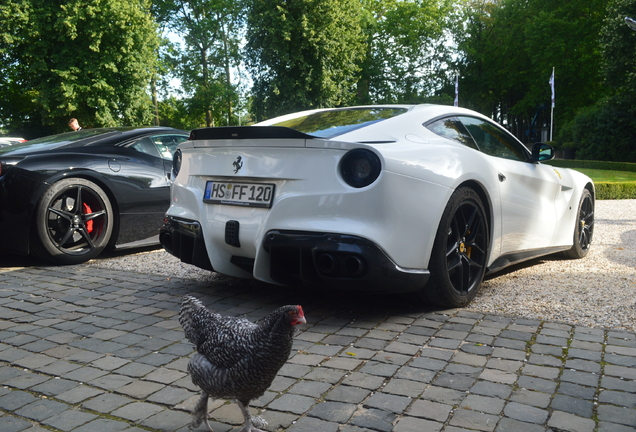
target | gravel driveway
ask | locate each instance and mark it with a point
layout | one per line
(597, 291)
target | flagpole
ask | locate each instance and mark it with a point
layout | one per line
(552, 109)
(456, 102)
(551, 120)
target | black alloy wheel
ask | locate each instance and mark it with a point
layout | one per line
(74, 222)
(583, 228)
(460, 251)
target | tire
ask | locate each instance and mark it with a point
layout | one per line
(73, 222)
(583, 228)
(460, 251)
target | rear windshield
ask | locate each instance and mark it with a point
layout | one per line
(329, 124)
(59, 140)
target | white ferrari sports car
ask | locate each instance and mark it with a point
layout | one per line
(399, 198)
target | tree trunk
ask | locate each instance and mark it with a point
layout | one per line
(209, 121)
(228, 79)
(155, 103)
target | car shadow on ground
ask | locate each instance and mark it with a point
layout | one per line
(230, 290)
(346, 304)
(522, 265)
(116, 253)
(317, 302)
(8, 260)
(527, 264)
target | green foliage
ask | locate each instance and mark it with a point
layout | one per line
(89, 59)
(98, 60)
(212, 31)
(564, 35)
(605, 131)
(303, 54)
(407, 55)
(510, 47)
(177, 113)
(613, 191)
(618, 43)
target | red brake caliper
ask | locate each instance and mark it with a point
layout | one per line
(89, 224)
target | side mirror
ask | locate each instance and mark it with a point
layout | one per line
(542, 152)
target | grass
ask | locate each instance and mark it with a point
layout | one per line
(608, 176)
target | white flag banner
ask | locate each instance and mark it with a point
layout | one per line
(456, 103)
(552, 110)
(552, 86)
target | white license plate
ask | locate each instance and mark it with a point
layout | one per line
(241, 194)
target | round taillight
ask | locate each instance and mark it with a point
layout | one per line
(360, 167)
(176, 162)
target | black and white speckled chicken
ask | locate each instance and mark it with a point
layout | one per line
(235, 358)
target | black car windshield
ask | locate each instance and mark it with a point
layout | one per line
(329, 124)
(59, 140)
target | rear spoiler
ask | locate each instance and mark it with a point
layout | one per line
(246, 132)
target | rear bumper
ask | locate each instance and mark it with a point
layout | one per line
(338, 261)
(304, 258)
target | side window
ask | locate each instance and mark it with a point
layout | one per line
(167, 144)
(453, 129)
(492, 140)
(145, 145)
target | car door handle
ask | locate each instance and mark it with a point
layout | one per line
(501, 177)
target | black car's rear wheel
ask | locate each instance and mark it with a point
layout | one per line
(584, 228)
(73, 221)
(460, 251)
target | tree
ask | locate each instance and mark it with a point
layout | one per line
(407, 52)
(606, 130)
(177, 113)
(162, 12)
(212, 31)
(303, 54)
(618, 43)
(564, 35)
(508, 49)
(90, 59)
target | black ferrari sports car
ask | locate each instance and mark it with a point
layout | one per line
(65, 198)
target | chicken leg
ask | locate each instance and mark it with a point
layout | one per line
(200, 413)
(248, 426)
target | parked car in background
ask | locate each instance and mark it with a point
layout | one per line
(6, 141)
(67, 197)
(423, 199)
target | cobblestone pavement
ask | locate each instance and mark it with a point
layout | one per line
(94, 350)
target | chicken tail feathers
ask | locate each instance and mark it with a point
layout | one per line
(193, 317)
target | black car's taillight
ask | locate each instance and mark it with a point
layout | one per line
(360, 167)
(176, 162)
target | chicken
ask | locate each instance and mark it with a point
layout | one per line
(235, 358)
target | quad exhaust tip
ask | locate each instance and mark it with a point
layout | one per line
(340, 265)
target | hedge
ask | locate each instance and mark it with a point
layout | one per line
(614, 191)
